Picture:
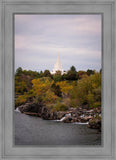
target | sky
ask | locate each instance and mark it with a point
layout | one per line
(39, 38)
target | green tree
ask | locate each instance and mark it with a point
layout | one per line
(57, 77)
(41, 74)
(19, 71)
(64, 76)
(58, 73)
(71, 75)
(56, 89)
(73, 68)
(87, 90)
(89, 72)
(81, 74)
(47, 73)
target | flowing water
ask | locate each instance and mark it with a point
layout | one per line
(30, 130)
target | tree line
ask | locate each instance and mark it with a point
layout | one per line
(59, 92)
(71, 74)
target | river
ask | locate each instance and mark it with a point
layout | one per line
(30, 130)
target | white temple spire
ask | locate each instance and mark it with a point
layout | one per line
(57, 66)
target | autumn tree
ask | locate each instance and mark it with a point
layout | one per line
(65, 87)
(20, 87)
(42, 90)
(87, 91)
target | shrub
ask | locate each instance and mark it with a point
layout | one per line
(63, 107)
(67, 101)
(97, 104)
(21, 100)
(60, 107)
(57, 78)
(90, 99)
(56, 89)
(75, 103)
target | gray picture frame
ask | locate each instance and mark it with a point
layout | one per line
(8, 8)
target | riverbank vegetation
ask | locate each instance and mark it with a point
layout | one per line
(58, 92)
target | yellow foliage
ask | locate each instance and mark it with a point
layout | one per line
(87, 90)
(65, 87)
(40, 87)
(21, 100)
(49, 97)
(90, 99)
(42, 90)
(20, 87)
(75, 93)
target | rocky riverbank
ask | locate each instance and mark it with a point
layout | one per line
(79, 114)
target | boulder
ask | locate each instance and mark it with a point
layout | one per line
(68, 119)
(86, 118)
(78, 114)
(60, 114)
(30, 107)
(95, 123)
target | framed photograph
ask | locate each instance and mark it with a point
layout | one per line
(57, 79)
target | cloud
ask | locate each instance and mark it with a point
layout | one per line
(38, 38)
(57, 23)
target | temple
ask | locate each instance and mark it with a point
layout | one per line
(58, 66)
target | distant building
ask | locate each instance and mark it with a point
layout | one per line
(58, 66)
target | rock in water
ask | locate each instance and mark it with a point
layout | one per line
(95, 123)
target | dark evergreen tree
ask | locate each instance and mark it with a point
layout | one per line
(57, 77)
(19, 71)
(56, 89)
(89, 72)
(47, 73)
(73, 69)
(72, 74)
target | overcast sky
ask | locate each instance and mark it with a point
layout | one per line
(38, 39)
